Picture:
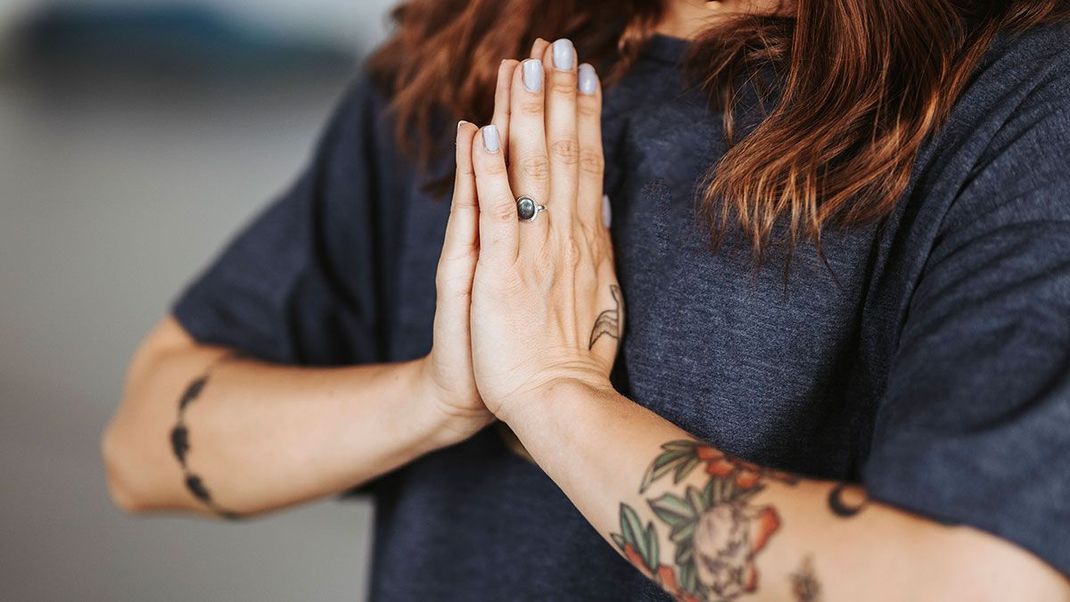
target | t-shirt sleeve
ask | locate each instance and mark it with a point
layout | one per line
(974, 428)
(301, 283)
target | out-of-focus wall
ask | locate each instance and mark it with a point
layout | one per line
(114, 192)
(339, 20)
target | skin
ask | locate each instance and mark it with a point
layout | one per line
(686, 18)
(518, 308)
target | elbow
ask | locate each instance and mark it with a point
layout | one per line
(138, 470)
(118, 457)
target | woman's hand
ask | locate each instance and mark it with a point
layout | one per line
(546, 306)
(445, 375)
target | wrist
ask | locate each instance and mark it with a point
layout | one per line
(442, 421)
(547, 401)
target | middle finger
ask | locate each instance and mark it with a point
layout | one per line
(562, 141)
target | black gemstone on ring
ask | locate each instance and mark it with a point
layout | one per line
(526, 208)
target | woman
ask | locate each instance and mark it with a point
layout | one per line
(842, 232)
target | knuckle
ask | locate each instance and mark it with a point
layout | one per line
(535, 166)
(592, 162)
(563, 83)
(491, 168)
(502, 212)
(588, 109)
(530, 108)
(571, 253)
(566, 150)
(450, 285)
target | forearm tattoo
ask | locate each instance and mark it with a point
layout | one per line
(804, 584)
(180, 441)
(608, 322)
(716, 531)
(846, 501)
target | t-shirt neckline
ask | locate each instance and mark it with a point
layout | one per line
(666, 48)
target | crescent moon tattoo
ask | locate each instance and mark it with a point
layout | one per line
(842, 508)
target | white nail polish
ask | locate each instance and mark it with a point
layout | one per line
(588, 81)
(564, 55)
(491, 141)
(533, 75)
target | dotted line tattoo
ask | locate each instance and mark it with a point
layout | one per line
(180, 441)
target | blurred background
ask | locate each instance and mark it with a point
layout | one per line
(136, 136)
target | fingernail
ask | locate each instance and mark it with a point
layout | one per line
(607, 212)
(490, 139)
(533, 75)
(460, 123)
(564, 55)
(588, 80)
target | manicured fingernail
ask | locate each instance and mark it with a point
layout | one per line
(564, 55)
(533, 75)
(588, 79)
(460, 123)
(607, 212)
(491, 142)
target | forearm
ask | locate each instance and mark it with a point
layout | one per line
(260, 436)
(796, 535)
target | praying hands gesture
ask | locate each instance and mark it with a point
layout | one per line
(545, 304)
(546, 317)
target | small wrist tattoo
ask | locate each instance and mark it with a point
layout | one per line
(845, 501)
(180, 441)
(608, 322)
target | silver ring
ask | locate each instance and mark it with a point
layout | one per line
(527, 209)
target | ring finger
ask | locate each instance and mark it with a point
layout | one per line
(529, 165)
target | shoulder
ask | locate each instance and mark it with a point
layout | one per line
(1045, 45)
(1013, 119)
(1024, 76)
(1031, 66)
(1000, 168)
(363, 104)
(1021, 103)
(359, 142)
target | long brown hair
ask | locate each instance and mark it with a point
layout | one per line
(860, 85)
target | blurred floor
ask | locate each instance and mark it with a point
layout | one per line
(111, 198)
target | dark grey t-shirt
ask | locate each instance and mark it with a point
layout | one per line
(929, 357)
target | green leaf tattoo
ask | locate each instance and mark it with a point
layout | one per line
(715, 530)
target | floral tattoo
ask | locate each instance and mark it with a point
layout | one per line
(717, 531)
